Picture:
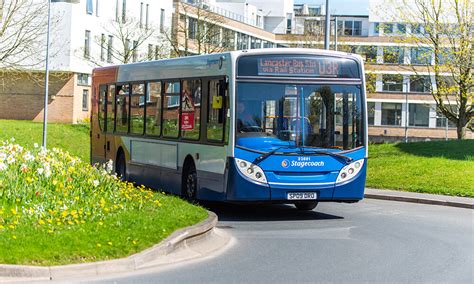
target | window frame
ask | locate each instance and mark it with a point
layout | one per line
(204, 83)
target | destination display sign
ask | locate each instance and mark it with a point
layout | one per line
(298, 66)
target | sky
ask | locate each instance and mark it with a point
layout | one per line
(348, 7)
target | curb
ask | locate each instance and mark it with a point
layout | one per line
(425, 199)
(201, 232)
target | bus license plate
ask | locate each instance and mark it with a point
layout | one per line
(302, 195)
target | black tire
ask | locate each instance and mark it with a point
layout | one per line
(306, 205)
(189, 187)
(121, 167)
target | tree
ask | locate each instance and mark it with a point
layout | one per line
(442, 32)
(123, 41)
(197, 30)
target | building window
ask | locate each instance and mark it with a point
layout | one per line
(124, 10)
(417, 29)
(393, 55)
(109, 48)
(135, 51)
(391, 114)
(162, 21)
(102, 47)
(419, 115)
(357, 30)
(87, 44)
(147, 22)
(141, 15)
(369, 53)
(85, 100)
(376, 28)
(371, 113)
(388, 28)
(441, 121)
(401, 28)
(421, 55)
(117, 10)
(288, 23)
(157, 53)
(192, 28)
(83, 79)
(89, 7)
(150, 52)
(259, 21)
(392, 82)
(420, 84)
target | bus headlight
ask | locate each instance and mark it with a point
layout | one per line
(350, 171)
(251, 171)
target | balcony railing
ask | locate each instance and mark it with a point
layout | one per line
(225, 13)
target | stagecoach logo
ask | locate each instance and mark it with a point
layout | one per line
(301, 163)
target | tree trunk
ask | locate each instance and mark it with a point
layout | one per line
(461, 131)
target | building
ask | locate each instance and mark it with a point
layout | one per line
(398, 98)
(85, 35)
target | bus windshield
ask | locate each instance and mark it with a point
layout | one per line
(300, 115)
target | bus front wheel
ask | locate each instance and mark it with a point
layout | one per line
(306, 205)
(190, 183)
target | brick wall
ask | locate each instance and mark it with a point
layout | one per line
(22, 97)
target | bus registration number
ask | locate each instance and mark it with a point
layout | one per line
(302, 195)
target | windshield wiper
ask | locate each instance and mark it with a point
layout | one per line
(259, 159)
(339, 156)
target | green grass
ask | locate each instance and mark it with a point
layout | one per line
(430, 167)
(72, 138)
(120, 235)
(437, 167)
(56, 210)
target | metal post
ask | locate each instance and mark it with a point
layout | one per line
(406, 114)
(447, 120)
(328, 26)
(335, 33)
(46, 80)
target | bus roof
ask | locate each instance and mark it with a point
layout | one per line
(215, 64)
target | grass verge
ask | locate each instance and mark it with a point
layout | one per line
(55, 209)
(71, 137)
(437, 167)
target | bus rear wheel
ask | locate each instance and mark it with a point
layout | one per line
(190, 183)
(306, 205)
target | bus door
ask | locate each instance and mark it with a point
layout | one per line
(109, 141)
(98, 137)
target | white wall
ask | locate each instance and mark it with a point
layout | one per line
(69, 45)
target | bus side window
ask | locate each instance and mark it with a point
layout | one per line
(121, 105)
(110, 120)
(153, 109)
(137, 109)
(102, 106)
(216, 111)
(171, 109)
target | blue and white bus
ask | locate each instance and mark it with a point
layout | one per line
(267, 125)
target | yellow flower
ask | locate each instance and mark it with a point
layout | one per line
(2, 227)
(13, 210)
(41, 222)
(101, 223)
(14, 237)
(99, 245)
(110, 243)
(11, 226)
(49, 220)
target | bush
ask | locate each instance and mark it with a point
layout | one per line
(51, 189)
